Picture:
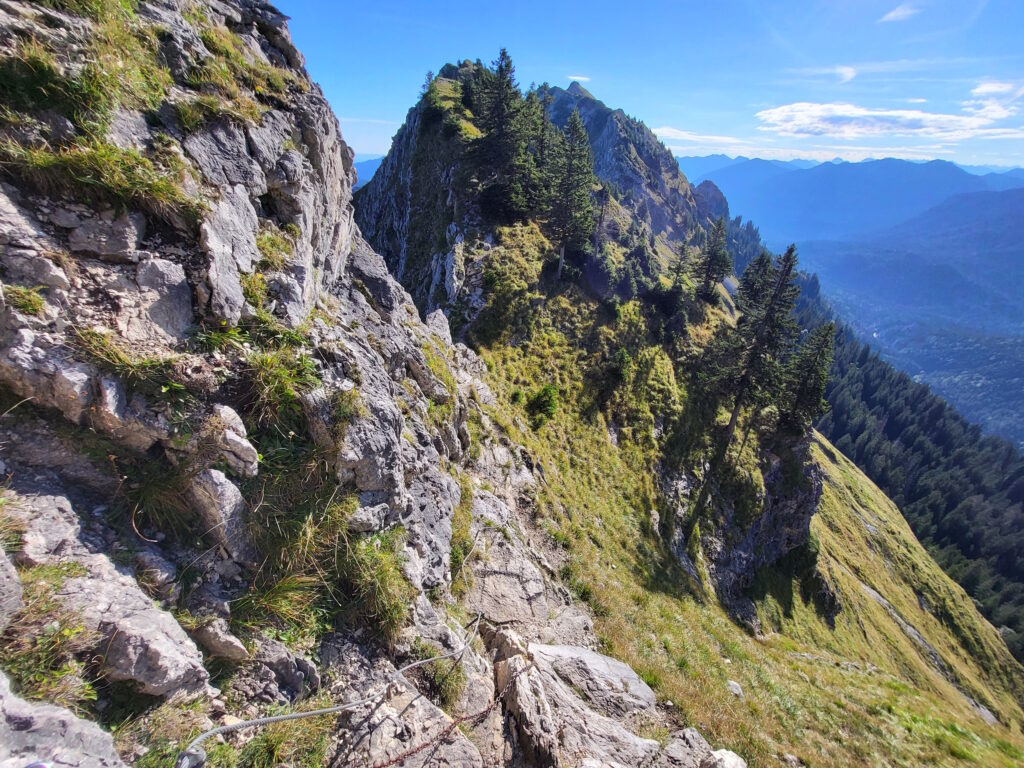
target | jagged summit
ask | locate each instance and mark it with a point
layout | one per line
(577, 90)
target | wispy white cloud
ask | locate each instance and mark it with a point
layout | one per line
(675, 134)
(900, 13)
(846, 72)
(580, 78)
(917, 100)
(992, 88)
(844, 121)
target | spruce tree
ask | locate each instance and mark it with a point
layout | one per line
(502, 152)
(746, 360)
(714, 264)
(572, 212)
(806, 379)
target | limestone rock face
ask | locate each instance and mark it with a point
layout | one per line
(140, 642)
(609, 685)
(32, 733)
(10, 591)
(191, 298)
(224, 512)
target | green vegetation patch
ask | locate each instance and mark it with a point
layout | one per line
(41, 649)
(28, 301)
(94, 170)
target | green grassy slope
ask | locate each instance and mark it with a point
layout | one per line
(860, 693)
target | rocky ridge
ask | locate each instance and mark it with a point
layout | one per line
(107, 378)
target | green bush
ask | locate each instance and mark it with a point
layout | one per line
(543, 404)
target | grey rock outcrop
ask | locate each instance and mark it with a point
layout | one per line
(32, 733)
(217, 640)
(223, 512)
(610, 686)
(10, 591)
(140, 642)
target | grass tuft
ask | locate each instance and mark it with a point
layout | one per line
(96, 170)
(153, 376)
(299, 743)
(41, 648)
(28, 301)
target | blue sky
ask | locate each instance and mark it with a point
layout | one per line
(816, 79)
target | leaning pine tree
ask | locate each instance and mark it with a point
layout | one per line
(572, 212)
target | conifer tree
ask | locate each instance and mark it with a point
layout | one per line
(806, 378)
(502, 151)
(572, 212)
(714, 264)
(764, 332)
(746, 360)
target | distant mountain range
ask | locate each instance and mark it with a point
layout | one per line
(366, 166)
(790, 203)
(926, 261)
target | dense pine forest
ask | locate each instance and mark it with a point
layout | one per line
(961, 491)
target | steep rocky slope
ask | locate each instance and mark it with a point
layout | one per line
(843, 668)
(242, 472)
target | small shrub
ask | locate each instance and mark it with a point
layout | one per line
(11, 531)
(196, 112)
(28, 301)
(543, 404)
(276, 379)
(289, 598)
(96, 170)
(298, 743)
(373, 570)
(153, 376)
(346, 408)
(462, 542)
(445, 677)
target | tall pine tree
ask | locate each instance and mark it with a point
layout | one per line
(572, 211)
(714, 264)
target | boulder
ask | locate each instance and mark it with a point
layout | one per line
(723, 758)
(223, 511)
(228, 238)
(296, 675)
(386, 729)
(32, 733)
(609, 685)
(165, 299)
(221, 152)
(685, 749)
(138, 641)
(216, 639)
(110, 238)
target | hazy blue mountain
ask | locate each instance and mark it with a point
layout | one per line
(695, 168)
(942, 294)
(366, 166)
(982, 170)
(840, 201)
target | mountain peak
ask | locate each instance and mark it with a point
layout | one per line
(577, 90)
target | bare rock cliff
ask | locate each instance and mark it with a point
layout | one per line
(224, 412)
